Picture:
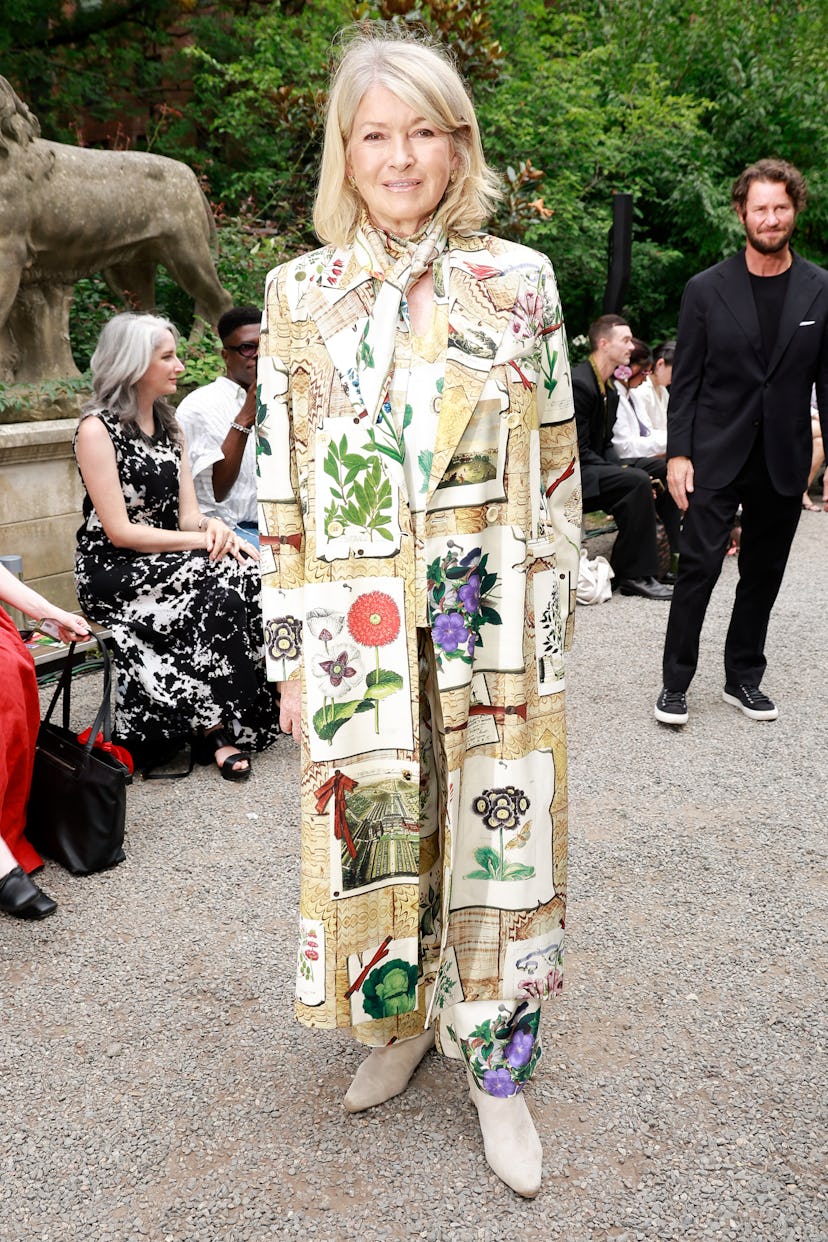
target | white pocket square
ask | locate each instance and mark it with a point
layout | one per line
(807, 323)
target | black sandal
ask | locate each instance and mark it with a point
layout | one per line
(210, 743)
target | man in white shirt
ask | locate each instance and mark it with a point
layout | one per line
(219, 420)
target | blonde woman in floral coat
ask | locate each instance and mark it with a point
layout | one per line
(420, 508)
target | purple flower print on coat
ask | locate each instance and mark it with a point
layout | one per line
(339, 671)
(469, 593)
(450, 631)
(503, 1049)
(519, 1048)
(499, 1082)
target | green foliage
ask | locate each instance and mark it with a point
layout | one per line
(21, 402)
(664, 99)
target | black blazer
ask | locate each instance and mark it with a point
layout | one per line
(594, 434)
(722, 389)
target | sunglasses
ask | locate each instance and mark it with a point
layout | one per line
(247, 349)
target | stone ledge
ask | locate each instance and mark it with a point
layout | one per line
(20, 442)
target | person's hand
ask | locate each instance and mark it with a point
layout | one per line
(72, 628)
(247, 411)
(244, 551)
(290, 708)
(219, 539)
(680, 480)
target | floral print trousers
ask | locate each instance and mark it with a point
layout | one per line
(498, 1040)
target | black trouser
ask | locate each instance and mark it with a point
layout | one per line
(627, 493)
(769, 522)
(666, 507)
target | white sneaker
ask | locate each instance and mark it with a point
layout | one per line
(751, 700)
(671, 707)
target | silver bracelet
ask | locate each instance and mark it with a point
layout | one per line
(246, 431)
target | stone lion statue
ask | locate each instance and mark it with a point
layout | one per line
(68, 212)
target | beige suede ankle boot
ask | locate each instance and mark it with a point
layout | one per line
(510, 1140)
(386, 1072)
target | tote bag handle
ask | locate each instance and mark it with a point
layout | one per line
(103, 717)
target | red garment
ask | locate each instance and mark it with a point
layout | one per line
(19, 723)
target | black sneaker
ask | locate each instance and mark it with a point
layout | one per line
(752, 701)
(671, 707)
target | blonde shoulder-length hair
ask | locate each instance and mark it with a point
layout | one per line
(423, 77)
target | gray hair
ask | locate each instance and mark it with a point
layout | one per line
(422, 76)
(122, 356)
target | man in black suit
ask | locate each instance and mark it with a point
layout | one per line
(752, 340)
(624, 491)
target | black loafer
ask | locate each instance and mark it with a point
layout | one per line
(17, 891)
(648, 588)
(42, 906)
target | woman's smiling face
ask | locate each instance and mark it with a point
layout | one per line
(401, 162)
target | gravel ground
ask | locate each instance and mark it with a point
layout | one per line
(156, 1086)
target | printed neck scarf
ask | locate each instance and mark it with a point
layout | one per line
(396, 263)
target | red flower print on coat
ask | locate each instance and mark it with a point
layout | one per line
(374, 619)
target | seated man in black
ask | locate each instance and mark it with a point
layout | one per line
(624, 491)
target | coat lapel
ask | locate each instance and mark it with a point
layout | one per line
(802, 289)
(737, 295)
(340, 302)
(481, 300)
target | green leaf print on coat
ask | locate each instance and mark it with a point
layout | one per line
(365, 354)
(262, 439)
(391, 989)
(383, 438)
(361, 494)
(502, 811)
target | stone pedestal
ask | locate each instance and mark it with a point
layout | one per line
(40, 504)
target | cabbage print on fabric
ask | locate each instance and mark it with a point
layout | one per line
(383, 981)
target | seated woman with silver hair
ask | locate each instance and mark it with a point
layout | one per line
(178, 591)
(421, 507)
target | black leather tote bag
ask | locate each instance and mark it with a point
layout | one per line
(77, 805)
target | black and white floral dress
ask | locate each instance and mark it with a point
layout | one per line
(187, 631)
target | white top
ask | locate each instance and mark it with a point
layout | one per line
(655, 402)
(205, 416)
(634, 434)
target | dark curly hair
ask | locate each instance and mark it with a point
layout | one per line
(770, 170)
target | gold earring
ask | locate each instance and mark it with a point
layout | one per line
(351, 182)
(453, 176)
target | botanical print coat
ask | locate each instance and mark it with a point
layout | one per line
(426, 881)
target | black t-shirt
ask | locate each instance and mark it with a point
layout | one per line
(769, 295)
